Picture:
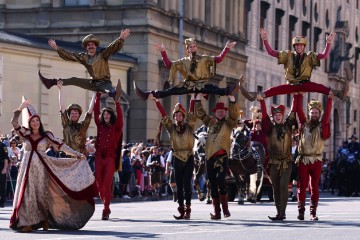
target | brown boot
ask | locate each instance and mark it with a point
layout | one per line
(313, 207)
(181, 210)
(143, 95)
(25, 229)
(301, 209)
(251, 96)
(341, 94)
(105, 214)
(48, 83)
(217, 210)
(187, 212)
(118, 91)
(224, 205)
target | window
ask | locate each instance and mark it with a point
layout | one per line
(304, 8)
(356, 34)
(279, 14)
(275, 99)
(292, 22)
(327, 19)
(264, 6)
(77, 2)
(260, 88)
(292, 3)
(316, 13)
(317, 32)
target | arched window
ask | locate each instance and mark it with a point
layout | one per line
(304, 8)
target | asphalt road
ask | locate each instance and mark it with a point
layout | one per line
(339, 219)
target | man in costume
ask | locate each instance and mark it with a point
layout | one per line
(95, 62)
(279, 142)
(313, 134)
(74, 132)
(156, 163)
(181, 133)
(195, 69)
(298, 67)
(4, 163)
(217, 149)
(108, 147)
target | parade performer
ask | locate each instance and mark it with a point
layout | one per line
(50, 192)
(181, 134)
(196, 71)
(96, 63)
(108, 145)
(156, 163)
(217, 149)
(279, 142)
(74, 132)
(298, 67)
(313, 134)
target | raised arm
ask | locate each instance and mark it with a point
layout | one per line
(299, 109)
(161, 49)
(221, 56)
(265, 122)
(325, 122)
(91, 105)
(61, 103)
(97, 108)
(270, 51)
(15, 119)
(326, 51)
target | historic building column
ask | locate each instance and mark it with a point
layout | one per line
(216, 15)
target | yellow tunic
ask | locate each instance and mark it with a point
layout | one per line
(280, 148)
(75, 133)
(97, 66)
(182, 143)
(219, 132)
(311, 145)
(205, 69)
(310, 61)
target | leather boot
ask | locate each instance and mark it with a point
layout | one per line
(181, 210)
(341, 94)
(48, 83)
(141, 94)
(251, 96)
(301, 209)
(25, 229)
(217, 210)
(224, 205)
(105, 214)
(313, 207)
(187, 212)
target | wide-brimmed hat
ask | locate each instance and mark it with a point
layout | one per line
(219, 105)
(90, 38)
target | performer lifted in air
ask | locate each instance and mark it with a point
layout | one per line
(298, 66)
(95, 62)
(195, 69)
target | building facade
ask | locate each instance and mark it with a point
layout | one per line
(284, 19)
(211, 22)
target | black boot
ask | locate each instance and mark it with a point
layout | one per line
(187, 211)
(48, 83)
(181, 210)
(313, 207)
(143, 95)
(217, 210)
(301, 209)
(232, 90)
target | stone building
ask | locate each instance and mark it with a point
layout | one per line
(211, 22)
(312, 19)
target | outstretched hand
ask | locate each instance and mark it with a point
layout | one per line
(263, 33)
(124, 33)
(24, 104)
(230, 44)
(330, 37)
(53, 44)
(160, 47)
(259, 97)
(59, 84)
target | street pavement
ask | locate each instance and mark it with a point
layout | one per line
(339, 219)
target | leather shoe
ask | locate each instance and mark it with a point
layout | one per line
(277, 218)
(48, 83)
(143, 95)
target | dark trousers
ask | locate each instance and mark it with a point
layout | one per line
(124, 180)
(2, 188)
(207, 89)
(183, 175)
(217, 168)
(103, 86)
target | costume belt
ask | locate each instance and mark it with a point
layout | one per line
(299, 82)
(282, 165)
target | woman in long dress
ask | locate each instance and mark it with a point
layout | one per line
(51, 192)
